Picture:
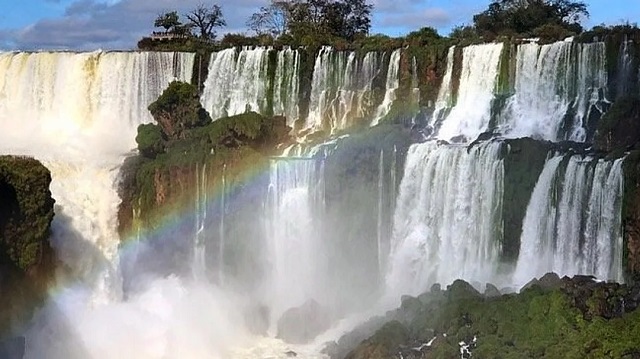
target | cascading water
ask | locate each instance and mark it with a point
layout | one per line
(573, 221)
(393, 82)
(447, 217)
(78, 113)
(295, 246)
(557, 86)
(237, 82)
(287, 85)
(381, 207)
(471, 114)
(341, 89)
(199, 252)
(444, 101)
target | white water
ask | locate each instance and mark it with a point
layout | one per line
(78, 113)
(392, 84)
(341, 89)
(446, 219)
(295, 248)
(472, 112)
(287, 86)
(553, 81)
(237, 82)
(573, 222)
(201, 211)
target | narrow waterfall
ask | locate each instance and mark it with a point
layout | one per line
(237, 82)
(573, 223)
(294, 244)
(415, 83)
(447, 218)
(341, 89)
(199, 246)
(445, 98)
(392, 84)
(471, 114)
(64, 109)
(381, 211)
(557, 87)
(221, 228)
(287, 86)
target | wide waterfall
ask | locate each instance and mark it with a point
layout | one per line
(557, 88)
(558, 92)
(362, 217)
(573, 221)
(78, 113)
(237, 82)
(447, 217)
(342, 88)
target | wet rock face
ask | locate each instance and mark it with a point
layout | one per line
(302, 324)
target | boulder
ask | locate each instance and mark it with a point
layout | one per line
(301, 324)
(491, 291)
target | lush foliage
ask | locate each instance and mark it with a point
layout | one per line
(176, 110)
(206, 19)
(26, 210)
(203, 21)
(573, 318)
(526, 17)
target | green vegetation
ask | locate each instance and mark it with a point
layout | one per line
(26, 210)
(572, 318)
(551, 18)
(177, 110)
(186, 139)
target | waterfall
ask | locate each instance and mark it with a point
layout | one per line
(557, 86)
(237, 82)
(199, 265)
(78, 113)
(573, 221)
(447, 218)
(287, 86)
(472, 112)
(381, 210)
(392, 84)
(341, 89)
(445, 95)
(221, 228)
(294, 245)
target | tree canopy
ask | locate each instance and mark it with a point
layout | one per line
(206, 19)
(524, 17)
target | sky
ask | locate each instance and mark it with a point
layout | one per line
(119, 24)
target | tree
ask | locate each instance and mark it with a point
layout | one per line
(340, 18)
(272, 19)
(523, 17)
(206, 19)
(168, 21)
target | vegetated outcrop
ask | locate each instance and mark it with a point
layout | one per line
(551, 317)
(26, 258)
(186, 155)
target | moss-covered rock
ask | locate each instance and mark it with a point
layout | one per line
(522, 167)
(178, 109)
(580, 319)
(26, 210)
(619, 128)
(26, 258)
